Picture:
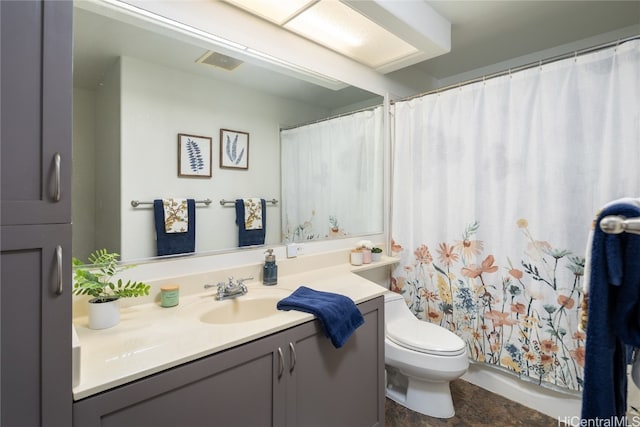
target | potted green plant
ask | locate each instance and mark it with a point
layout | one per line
(95, 279)
(376, 254)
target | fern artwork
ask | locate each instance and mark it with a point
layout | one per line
(194, 156)
(196, 163)
(234, 149)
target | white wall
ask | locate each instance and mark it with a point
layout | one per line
(83, 177)
(107, 161)
(158, 103)
(96, 170)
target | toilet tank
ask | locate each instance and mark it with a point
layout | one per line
(395, 307)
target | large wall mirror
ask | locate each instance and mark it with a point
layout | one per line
(137, 86)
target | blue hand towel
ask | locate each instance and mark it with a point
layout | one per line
(175, 243)
(250, 237)
(614, 296)
(338, 314)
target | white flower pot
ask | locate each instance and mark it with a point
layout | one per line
(375, 257)
(103, 315)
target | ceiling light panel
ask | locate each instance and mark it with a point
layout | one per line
(334, 25)
(340, 28)
(278, 12)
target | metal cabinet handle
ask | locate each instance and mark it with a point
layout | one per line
(56, 160)
(292, 350)
(60, 276)
(280, 362)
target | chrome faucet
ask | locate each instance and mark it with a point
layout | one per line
(230, 290)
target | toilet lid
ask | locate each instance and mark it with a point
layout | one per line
(424, 337)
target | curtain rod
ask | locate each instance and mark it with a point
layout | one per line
(539, 63)
(370, 108)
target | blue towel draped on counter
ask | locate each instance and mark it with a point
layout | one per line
(250, 237)
(174, 243)
(613, 319)
(337, 313)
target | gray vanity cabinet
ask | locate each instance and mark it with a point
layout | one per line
(237, 387)
(35, 235)
(37, 96)
(35, 326)
(291, 378)
(338, 387)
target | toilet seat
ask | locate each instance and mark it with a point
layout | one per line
(424, 337)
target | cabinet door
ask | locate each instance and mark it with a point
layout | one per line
(35, 323)
(237, 387)
(338, 387)
(36, 102)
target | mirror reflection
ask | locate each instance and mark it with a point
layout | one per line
(332, 185)
(136, 89)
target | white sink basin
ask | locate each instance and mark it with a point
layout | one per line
(241, 309)
(259, 303)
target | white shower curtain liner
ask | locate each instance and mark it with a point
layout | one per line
(332, 177)
(495, 185)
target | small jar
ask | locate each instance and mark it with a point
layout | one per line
(169, 295)
(356, 257)
(366, 256)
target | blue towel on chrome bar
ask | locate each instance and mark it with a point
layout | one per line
(175, 243)
(337, 313)
(250, 237)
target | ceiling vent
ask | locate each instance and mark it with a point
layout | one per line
(219, 60)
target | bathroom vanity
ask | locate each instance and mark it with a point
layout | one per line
(294, 377)
(166, 367)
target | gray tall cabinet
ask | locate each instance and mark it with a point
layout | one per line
(35, 212)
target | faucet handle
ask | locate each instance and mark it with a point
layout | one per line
(241, 281)
(221, 290)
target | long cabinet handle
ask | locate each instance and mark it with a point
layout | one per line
(60, 275)
(292, 351)
(56, 160)
(280, 362)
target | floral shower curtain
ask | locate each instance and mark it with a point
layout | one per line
(495, 185)
(332, 177)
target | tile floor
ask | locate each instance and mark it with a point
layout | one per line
(475, 407)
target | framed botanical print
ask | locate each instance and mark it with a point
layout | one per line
(234, 149)
(194, 156)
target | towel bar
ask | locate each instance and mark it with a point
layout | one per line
(136, 203)
(231, 202)
(613, 224)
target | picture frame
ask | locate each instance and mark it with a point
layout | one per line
(194, 156)
(234, 149)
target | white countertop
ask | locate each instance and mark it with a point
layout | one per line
(150, 338)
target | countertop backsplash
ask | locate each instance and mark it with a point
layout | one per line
(192, 273)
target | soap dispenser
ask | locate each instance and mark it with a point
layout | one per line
(270, 269)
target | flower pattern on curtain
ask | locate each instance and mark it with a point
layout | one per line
(521, 315)
(495, 185)
(332, 177)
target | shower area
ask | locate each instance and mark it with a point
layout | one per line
(495, 185)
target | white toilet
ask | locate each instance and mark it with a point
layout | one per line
(421, 358)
